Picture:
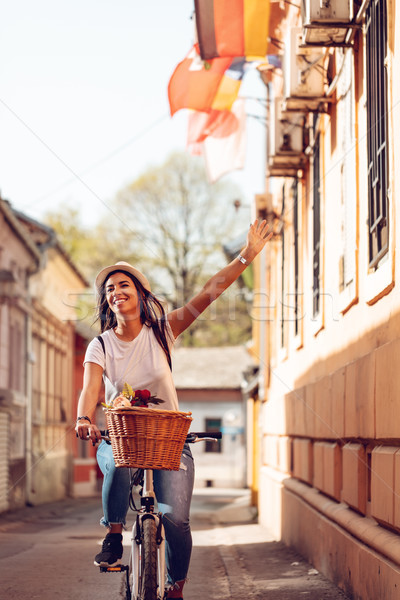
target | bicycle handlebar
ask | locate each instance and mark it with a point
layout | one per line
(194, 436)
(191, 438)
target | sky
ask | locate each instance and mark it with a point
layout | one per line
(83, 101)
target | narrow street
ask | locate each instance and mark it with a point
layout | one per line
(46, 552)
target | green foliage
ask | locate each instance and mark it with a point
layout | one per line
(171, 224)
(227, 322)
(90, 249)
(180, 222)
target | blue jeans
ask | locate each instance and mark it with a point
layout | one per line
(173, 492)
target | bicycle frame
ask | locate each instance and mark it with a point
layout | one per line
(139, 546)
(147, 502)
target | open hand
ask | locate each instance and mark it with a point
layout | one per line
(258, 235)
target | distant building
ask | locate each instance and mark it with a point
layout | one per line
(39, 291)
(209, 385)
(19, 259)
(86, 473)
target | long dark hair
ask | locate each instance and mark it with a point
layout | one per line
(152, 313)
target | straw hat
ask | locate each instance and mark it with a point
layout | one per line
(120, 266)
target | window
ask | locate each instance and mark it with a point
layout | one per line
(51, 379)
(316, 228)
(283, 266)
(213, 425)
(296, 257)
(17, 358)
(347, 263)
(376, 38)
(36, 413)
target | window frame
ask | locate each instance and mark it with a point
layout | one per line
(376, 33)
(348, 265)
(381, 280)
(316, 305)
(297, 265)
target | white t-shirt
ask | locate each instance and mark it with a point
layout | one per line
(142, 363)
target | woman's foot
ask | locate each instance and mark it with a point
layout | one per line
(176, 591)
(111, 551)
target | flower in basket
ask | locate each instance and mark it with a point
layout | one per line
(130, 397)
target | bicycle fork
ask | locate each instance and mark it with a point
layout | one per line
(147, 502)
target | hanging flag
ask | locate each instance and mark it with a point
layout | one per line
(230, 83)
(224, 154)
(220, 123)
(195, 149)
(195, 82)
(206, 85)
(197, 127)
(232, 27)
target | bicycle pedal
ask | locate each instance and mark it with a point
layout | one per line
(114, 569)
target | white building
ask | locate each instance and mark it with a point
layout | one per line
(209, 385)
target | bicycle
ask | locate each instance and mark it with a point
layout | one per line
(145, 572)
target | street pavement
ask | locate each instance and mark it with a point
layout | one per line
(46, 553)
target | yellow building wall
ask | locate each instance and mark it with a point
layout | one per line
(56, 289)
(330, 452)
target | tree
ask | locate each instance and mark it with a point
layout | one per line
(171, 224)
(90, 249)
(180, 222)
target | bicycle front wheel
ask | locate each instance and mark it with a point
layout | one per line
(148, 585)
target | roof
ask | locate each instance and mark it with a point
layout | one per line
(210, 368)
(46, 237)
(13, 221)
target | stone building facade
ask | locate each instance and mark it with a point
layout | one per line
(327, 332)
(39, 286)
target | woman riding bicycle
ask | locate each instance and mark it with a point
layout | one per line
(137, 338)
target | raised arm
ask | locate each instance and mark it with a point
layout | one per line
(181, 318)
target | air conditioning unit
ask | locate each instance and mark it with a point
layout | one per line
(285, 151)
(263, 202)
(304, 74)
(326, 22)
(265, 208)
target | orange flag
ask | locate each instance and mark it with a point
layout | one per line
(206, 85)
(194, 83)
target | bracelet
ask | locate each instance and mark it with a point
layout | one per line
(242, 259)
(80, 419)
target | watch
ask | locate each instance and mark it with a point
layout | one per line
(84, 417)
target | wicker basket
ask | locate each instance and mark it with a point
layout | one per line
(147, 438)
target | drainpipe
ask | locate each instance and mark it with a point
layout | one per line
(263, 283)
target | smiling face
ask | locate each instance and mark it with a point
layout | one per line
(121, 294)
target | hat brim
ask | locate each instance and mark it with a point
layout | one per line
(120, 266)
